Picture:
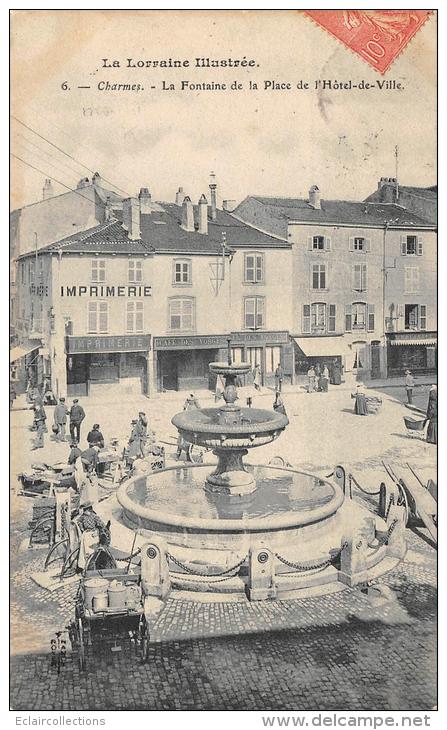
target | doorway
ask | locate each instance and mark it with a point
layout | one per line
(375, 360)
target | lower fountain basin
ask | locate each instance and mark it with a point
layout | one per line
(173, 503)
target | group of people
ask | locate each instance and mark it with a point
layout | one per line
(75, 414)
(318, 379)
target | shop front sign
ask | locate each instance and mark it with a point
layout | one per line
(194, 341)
(268, 338)
(113, 343)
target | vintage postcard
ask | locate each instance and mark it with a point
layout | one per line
(223, 363)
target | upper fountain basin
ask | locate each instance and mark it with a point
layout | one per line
(223, 368)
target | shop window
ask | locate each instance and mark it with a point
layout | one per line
(359, 277)
(319, 278)
(135, 271)
(181, 314)
(411, 279)
(411, 245)
(134, 317)
(254, 268)
(415, 316)
(98, 270)
(358, 243)
(182, 272)
(254, 313)
(98, 318)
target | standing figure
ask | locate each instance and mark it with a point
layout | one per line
(311, 379)
(142, 425)
(60, 419)
(317, 376)
(336, 373)
(133, 450)
(257, 377)
(409, 385)
(325, 379)
(12, 395)
(39, 419)
(278, 405)
(279, 376)
(74, 459)
(77, 415)
(91, 526)
(95, 438)
(432, 415)
(361, 405)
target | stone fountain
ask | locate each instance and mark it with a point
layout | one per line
(242, 523)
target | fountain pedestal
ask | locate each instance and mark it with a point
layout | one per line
(230, 476)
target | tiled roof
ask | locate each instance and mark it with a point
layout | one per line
(429, 193)
(339, 211)
(161, 232)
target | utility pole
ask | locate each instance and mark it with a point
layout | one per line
(396, 154)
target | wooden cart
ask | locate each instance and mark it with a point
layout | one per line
(125, 623)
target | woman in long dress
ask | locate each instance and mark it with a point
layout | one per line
(360, 406)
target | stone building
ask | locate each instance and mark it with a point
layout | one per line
(143, 302)
(364, 281)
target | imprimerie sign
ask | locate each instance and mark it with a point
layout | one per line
(102, 290)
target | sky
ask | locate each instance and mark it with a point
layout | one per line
(269, 142)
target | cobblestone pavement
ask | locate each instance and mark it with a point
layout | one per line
(333, 652)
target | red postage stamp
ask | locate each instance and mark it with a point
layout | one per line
(378, 36)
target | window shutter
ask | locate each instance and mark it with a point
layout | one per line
(364, 277)
(367, 245)
(259, 268)
(310, 242)
(328, 243)
(403, 245)
(139, 271)
(260, 308)
(324, 276)
(420, 246)
(129, 316)
(94, 270)
(400, 310)
(103, 323)
(306, 318)
(332, 318)
(351, 243)
(371, 318)
(422, 317)
(356, 273)
(249, 268)
(139, 317)
(92, 316)
(348, 317)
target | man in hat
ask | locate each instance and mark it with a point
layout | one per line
(39, 419)
(60, 419)
(409, 385)
(77, 415)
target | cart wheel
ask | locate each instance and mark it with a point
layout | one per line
(403, 501)
(143, 639)
(81, 646)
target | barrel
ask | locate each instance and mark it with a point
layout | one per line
(93, 587)
(100, 601)
(117, 595)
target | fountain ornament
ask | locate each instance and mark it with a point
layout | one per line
(230, 431)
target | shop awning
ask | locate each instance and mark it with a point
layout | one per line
(17, 352)
(428, 342)
(320, 346)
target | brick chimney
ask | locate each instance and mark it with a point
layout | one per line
(314, 197)
(187, 214)
(131, 218)
(145, 200)
(96, 179)
(83, 183)
(47, 191)
(203, 215)
(179, 196)
(213, 192)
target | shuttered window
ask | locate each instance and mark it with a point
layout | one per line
(135, 271)
(359, 277)
(181, 314)
(348, 317)
(254, 313)
(371, 318)
(358, 243)
(134, 317)
(411, 279)
(411, 245)
(422, 317)
(98, 319)
(318, 317)
(254, 268)
(98, 270)
(319, 243)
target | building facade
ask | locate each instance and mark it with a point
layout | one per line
(364, 282)
(144, 301)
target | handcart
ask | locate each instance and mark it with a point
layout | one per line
(110, 609)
